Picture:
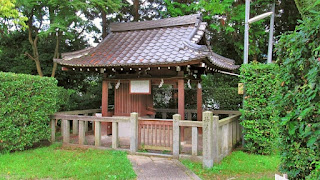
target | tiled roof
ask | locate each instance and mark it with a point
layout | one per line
(160, 42)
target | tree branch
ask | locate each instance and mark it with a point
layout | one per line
(31, 57)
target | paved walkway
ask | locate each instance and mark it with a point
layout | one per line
(160, 168)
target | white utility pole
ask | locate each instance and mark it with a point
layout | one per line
(248, 21)
(271, 34)
(246, 33)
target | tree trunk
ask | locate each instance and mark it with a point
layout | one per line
(33, 42)
(104, 24)
(136, 6)
(56, 54)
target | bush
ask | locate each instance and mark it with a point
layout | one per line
(26, 102)
(220, 91)
(299, 99)
(257, 119)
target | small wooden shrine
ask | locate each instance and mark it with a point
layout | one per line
(136, 55)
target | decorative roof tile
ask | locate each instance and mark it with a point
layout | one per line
(166, 42)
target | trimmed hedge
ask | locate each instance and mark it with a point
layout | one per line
(299, 99)
(257, 119)
(26, 102)
(222, 90)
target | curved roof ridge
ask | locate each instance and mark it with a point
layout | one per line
(160, 23)
(76, 54)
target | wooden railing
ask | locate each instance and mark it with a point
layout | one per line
(155, 134)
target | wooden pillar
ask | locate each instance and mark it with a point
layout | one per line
(199, 104)
(106, 127)
(104, 105)
(181, 103)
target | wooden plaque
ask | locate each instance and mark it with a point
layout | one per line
(140, 87)
(240, 88)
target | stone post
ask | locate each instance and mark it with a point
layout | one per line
(234, 133)
(115, 135)
(238, 130)
(230, 137)
(134, 132)
(215, 139)
(65, 131)
(82, 133)
(176, 136)
(195, 141)
(53, 130)
(75, 127)
(97, 133)
(207, 139)
(86, 124)
(225, 139)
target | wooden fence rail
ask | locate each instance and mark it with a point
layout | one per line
(155, 134)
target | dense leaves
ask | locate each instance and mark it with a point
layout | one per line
(220, 91)
(299, 98)
(260, 130)
(26, 102)
(9, 12)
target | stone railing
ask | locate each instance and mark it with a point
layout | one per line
(80, 123)
(189, 113)
(218, 136)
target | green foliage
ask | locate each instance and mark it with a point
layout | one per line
(299, 99)
(238, 165)
(26, 102)
(304, 7)
(8, 11)
(257, 119)
(221, 92)
(55, 162)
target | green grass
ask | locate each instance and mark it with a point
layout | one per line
(238, 165)
(54, 162)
